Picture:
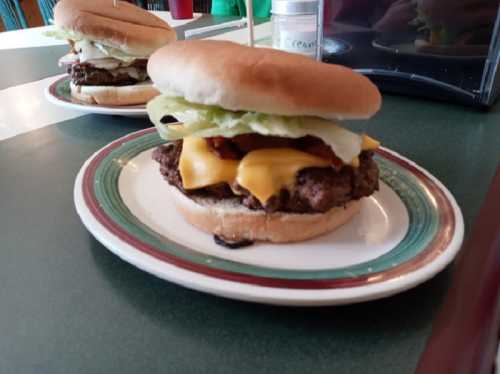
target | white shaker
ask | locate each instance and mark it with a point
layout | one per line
(295, 26)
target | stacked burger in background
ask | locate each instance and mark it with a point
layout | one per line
(456, 28)
(110, 47)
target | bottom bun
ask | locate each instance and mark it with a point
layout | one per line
(232, 221)
(462, 50)
(135, 94)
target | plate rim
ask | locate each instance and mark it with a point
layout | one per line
(261, 293)
(88, 108)
(425, 255)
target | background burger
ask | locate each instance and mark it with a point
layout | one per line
(259, 154)
(110, 47)
(457, 28)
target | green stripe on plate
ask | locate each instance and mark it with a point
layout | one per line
(424, 219)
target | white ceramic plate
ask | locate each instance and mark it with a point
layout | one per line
(405, 234)
(59, 94)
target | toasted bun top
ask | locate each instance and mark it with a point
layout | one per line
(126, 26)
(237, 77)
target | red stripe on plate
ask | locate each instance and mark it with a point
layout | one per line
(436, 247)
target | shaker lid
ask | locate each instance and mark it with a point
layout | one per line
(294, 7)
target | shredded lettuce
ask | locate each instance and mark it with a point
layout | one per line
(61, 34)
(208, 121)
(115, 53)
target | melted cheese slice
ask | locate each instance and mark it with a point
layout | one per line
(263, 172)
(368, 143)
(200, 167)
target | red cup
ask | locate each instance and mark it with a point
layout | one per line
(181, 9)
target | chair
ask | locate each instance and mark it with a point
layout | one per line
(46, 10)
(153, 4)
(12, 15)
(46, 6)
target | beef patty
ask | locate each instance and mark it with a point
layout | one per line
(84, 74)
(316, 190)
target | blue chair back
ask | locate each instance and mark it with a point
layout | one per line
(12, 15)
(46, 10)
(47, 6)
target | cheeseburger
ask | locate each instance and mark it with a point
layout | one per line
(110, 47)
(457, 28)
(258, 154)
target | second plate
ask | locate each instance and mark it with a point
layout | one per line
(59, 94)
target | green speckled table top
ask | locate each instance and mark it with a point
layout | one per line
(70, 306)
